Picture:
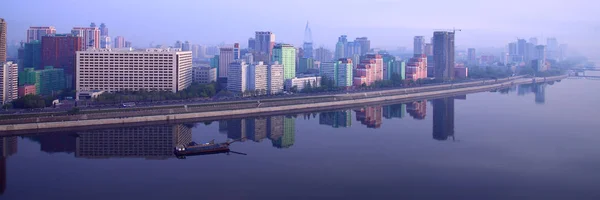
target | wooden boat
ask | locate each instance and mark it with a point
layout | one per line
(200, 149)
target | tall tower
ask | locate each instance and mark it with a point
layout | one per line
(308, 43)
(2, 40)
(419, 45)
(443, 55)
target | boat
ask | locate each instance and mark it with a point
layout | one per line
(200, 149)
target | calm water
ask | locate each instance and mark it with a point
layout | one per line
(529, 142)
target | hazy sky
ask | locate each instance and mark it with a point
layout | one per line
(388, 23)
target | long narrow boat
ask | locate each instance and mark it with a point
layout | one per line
(200, 149)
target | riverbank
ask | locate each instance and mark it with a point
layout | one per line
(200, 113)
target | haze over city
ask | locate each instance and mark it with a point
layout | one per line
(389, 24)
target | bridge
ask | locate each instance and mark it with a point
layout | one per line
(596, 78)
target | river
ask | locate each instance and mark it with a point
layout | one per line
(536, 141)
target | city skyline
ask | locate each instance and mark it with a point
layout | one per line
(571, 25)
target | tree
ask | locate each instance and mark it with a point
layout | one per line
(29, 101)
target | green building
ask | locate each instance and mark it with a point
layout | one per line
(214, 62)
(397, 67)
(46, 81)
(289, 134)
(31, 55)
(285, 54)
(304, 64)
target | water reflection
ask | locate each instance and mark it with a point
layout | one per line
(538, 89)
(281, 130)
(8, 147)
(443, 118)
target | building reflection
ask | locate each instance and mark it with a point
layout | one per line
(337, 119)
(417, 109)
(150, 142)
(370, 116)
(540, 93)
(8, 147)
(394, 111)
(443, 118)
(279, 129)
(56, 142)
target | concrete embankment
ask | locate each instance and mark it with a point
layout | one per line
(338, 101)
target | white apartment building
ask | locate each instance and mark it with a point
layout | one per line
(114, 70)
(204, 74)
(237, 77)
(257, 77)
(301, 83)
(275, 78)
(9, 83)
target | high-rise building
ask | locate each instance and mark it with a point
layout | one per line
(178, 44)
(398, 69)
(236, 51)
(128, 70)
(105, 42)
(419, 45)
(37, 32)
(539, 63)
(128, 44)
(2, 40)
(258, 78)
(443, 118)
(352, 48)
(369, 70)
(308, 43)
(204, 74)
(186, 46)
(90, 36)
(275, 79)
(522, 48)
(533, 41)
(46, 81)
(237, 77)
(248, 58)
(471, 56)
(344, 73)
(323, 55)
(9, 83)
(119, 42)
(31, 55)
(214, 63)
(286, 55)
(365, 45)
(443, 55)
(195, 50)
(429, 49)
(417, 68)
(251, 43)
(103, 30)
(339, 50)
(225, 59)
(562, 54)
(202, 52)
(59, 51)
(263, 47)
(552, 50)
(304, 64)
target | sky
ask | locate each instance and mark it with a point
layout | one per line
(388, 23)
